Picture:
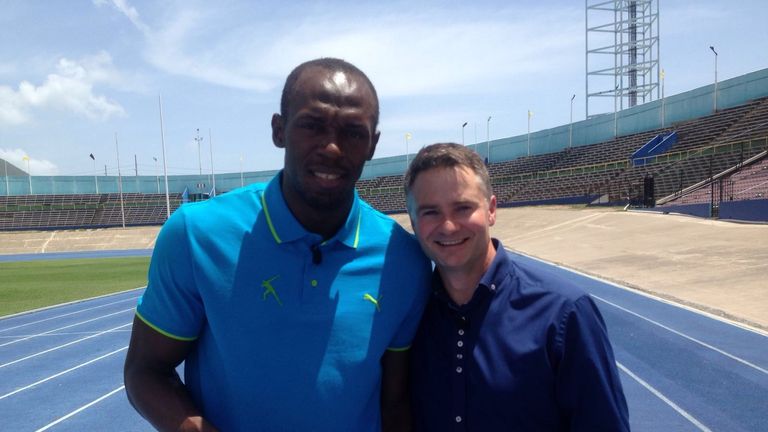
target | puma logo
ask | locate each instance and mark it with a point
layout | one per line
(269, 289)
(373, 300)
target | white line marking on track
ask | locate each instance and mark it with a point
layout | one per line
(60, 334)
(690, 338)
(67, 326)
(68, 314)
(666, 400)
(62, 373)
(576, 221)
(82, 408)
(62, 346)
(45, 245)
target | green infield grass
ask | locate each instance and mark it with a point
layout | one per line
(27, 285)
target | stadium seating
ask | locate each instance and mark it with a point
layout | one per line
(602, 172)
(30, 212)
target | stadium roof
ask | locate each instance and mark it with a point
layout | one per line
(13, 170)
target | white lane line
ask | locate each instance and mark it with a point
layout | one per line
(62, 346)
(62, 373)
(82, 408)
(45, 245)
(80, 333)
(576, 221)
(683, 335)
(66, 327)
(666, 400)
(68, 314)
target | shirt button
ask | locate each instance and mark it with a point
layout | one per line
(458, 419)
(458, 369)
(314, 283)
(493, 287)
(459, 356)
(461, 332)
(460, 344)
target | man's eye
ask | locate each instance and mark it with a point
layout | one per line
(311, 126)
(356, 134)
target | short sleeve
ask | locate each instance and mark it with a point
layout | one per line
(588, 386)
(171, 303)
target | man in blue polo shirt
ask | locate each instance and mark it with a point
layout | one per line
(292, 303)
(502, 346)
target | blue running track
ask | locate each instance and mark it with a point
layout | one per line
(61, 368)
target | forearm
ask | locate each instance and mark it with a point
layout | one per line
(396, 416)
(163, 400)
(395, 396)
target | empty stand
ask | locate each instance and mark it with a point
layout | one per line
(705, 147)
(82, 211)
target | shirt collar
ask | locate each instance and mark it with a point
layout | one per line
(490, 284)
(493, 278)
(285, 228)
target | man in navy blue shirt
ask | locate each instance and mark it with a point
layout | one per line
(501, 345)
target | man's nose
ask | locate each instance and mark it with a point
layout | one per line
(331, 146)
(449, 225)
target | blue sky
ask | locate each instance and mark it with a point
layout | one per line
(75, 73)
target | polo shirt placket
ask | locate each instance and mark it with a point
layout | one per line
(459, 375)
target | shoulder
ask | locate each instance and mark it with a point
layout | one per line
(381, 225)
(540, 279)
(236, 206)
(399, 245)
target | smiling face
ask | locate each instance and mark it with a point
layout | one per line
(328, 134)
(451, 214)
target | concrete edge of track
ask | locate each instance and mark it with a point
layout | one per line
(668, 299)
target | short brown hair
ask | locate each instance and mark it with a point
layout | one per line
(447, 155)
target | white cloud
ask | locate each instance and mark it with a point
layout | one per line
(436, 52)
(70, 88)
(38, 167)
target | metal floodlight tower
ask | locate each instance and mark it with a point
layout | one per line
(622, 52)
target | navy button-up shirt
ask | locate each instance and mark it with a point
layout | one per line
(529, 352)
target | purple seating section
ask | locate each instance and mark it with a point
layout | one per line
(749, 183)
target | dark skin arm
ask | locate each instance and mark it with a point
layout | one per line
(395, 397)
(152, 384)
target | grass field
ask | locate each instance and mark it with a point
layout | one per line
(27, 285)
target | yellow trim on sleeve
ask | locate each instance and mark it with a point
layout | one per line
(163, 332)
(269, 219)
(399, 349)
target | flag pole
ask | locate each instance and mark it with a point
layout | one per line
(120, 181)
(213, 176)
(165, 165)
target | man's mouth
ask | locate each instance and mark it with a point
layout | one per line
(450, 242)
(326, 176)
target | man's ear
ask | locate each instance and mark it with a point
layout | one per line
(492, 210)
(278, 131)
(374, 141)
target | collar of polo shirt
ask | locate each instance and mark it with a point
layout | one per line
(285, 228)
